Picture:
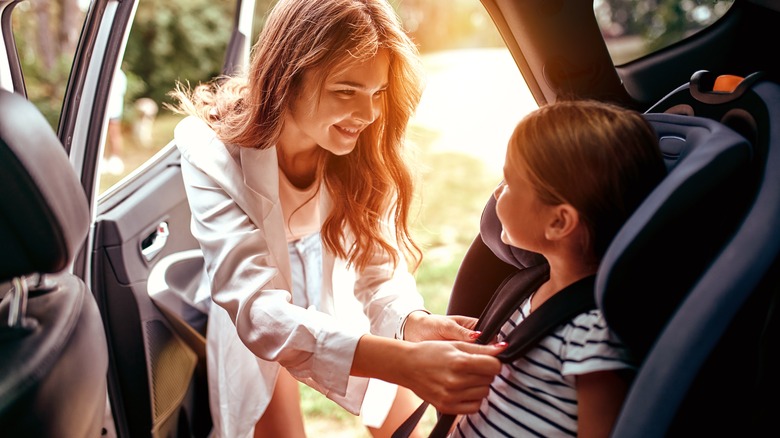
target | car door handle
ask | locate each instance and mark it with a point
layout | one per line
(152, 245)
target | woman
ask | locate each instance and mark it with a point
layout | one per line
(300, 198)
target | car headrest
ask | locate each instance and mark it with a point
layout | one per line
(490, 232)
(677, 232)
(731, 100)
(44, 216)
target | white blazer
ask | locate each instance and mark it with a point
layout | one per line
(237, 219)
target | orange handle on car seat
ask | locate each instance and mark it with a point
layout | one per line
(726, 83)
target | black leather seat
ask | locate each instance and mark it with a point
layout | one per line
(53, 352)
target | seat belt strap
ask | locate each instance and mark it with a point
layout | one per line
(558, 309)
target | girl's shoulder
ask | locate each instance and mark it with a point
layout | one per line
(589, 326)
(588, 345)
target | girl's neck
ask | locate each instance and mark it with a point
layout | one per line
(561, 276)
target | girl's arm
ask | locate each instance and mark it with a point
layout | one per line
(600, 396)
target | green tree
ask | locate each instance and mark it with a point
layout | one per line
(176, 40)
(46, 34)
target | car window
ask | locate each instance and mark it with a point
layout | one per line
(46, 35)
(161, 50)
(635, 28)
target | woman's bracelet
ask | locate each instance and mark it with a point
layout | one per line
(399, 334)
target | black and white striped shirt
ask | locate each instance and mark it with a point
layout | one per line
(536, 395)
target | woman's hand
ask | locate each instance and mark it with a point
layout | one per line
(453, 376)
(422, 326)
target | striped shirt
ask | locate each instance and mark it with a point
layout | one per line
(536, 395)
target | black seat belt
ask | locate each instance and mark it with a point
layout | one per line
(558, 309)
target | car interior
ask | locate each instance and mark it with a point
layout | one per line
(104, 319)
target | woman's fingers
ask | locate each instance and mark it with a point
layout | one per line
(454, 376)
(427, 327)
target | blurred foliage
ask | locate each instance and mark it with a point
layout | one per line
(46, 86)
(185, 40)
(653, 24)
(46, 34)
(175, 40)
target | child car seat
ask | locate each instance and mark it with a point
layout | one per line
(711, 370)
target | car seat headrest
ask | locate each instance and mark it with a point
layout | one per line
(678, 230)
(490, 232)
(729, 99)
(44, 216)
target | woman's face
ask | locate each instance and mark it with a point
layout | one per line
(333, 115)
(523, 216)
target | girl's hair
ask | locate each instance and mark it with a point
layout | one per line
(368, 186)
(601, 159)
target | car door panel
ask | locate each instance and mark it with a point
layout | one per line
(143, 263)
(157, 379)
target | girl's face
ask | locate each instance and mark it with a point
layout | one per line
(523, 216)
(333, 114)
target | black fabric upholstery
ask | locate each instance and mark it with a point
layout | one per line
(677, 231)
(712, 370)
(43, 210)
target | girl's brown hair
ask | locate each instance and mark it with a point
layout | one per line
(601, 159)
(318, 38)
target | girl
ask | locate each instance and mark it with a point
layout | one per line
(574, 172)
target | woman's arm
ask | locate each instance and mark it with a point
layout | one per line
(422, 326)
(391, 301)
(452, 376)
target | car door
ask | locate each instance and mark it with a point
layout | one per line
(141, 261)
